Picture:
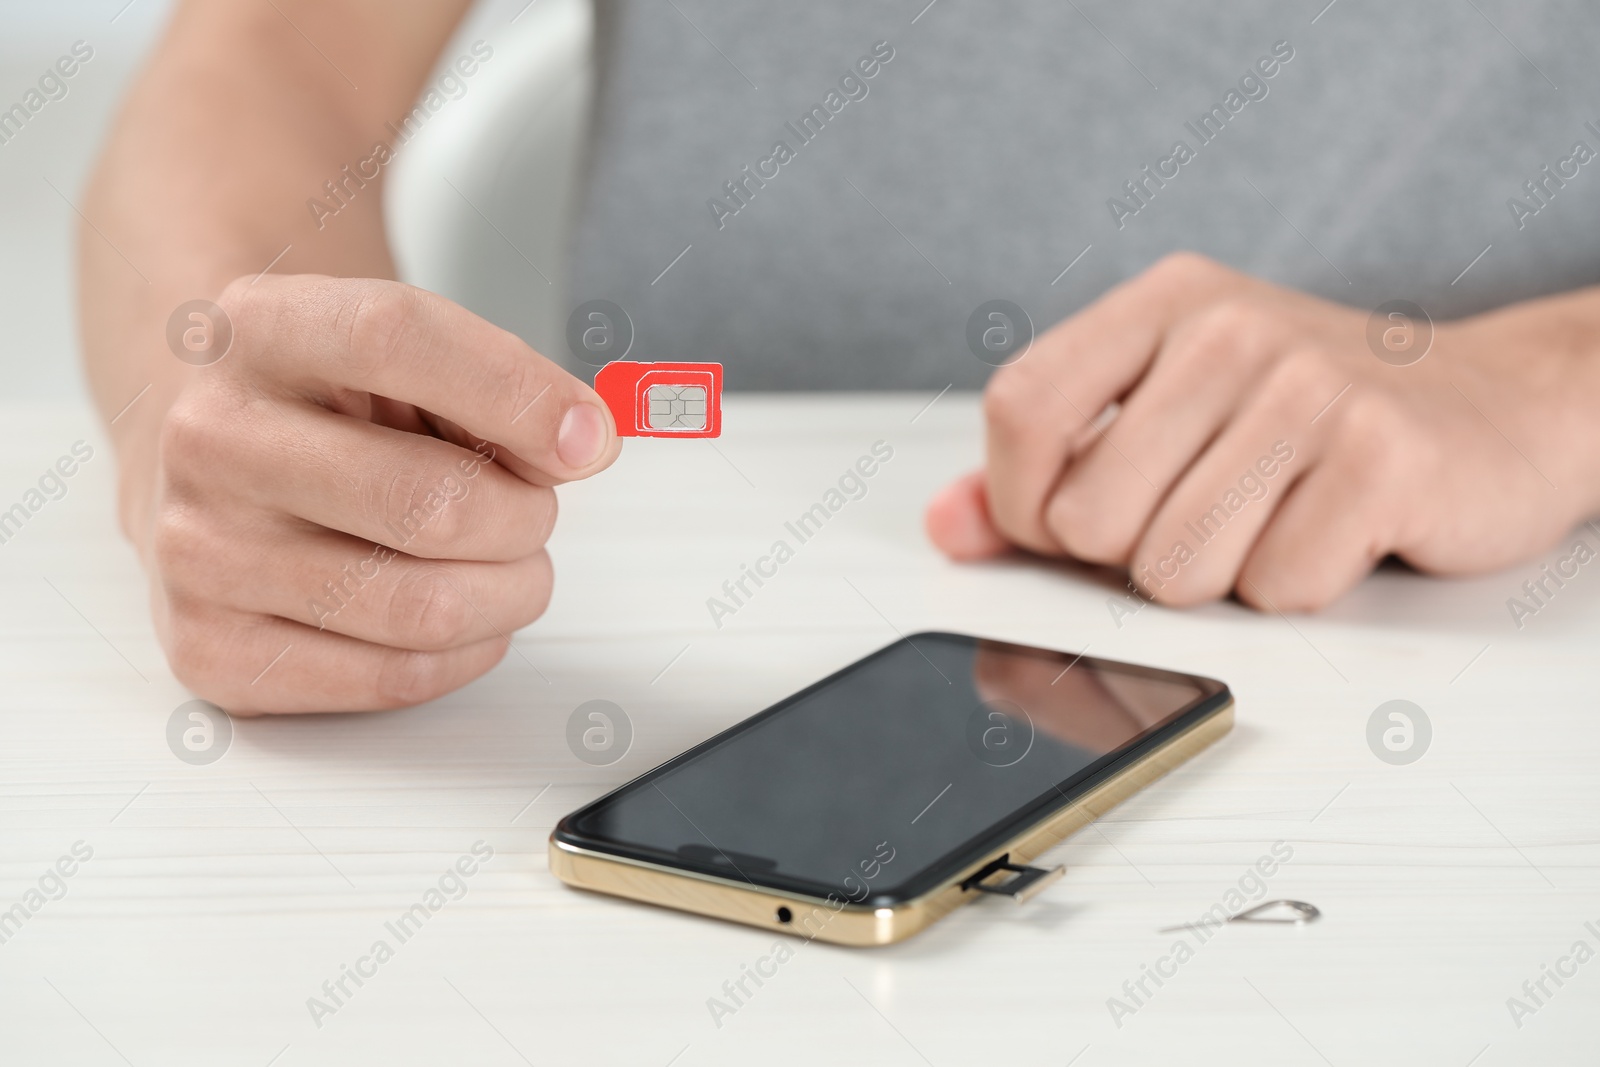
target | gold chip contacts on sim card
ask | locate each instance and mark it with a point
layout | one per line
(676, 407)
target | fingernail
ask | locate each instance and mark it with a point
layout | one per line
(582, 437)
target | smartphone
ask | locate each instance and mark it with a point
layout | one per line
(866, 807)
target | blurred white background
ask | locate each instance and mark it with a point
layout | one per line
(38, 330)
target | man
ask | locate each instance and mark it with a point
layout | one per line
(1255, 429)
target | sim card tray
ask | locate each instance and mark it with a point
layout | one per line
(1027, 882)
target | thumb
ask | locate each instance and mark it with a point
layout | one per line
(958, 520)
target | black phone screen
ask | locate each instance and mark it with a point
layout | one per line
(872, 784)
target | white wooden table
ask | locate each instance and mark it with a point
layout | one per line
(219, 898)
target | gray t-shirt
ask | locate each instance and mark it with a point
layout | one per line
(975, 150)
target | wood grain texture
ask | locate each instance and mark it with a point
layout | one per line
(220, 898)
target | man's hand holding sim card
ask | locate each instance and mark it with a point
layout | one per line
(662, 399)
(385, 462)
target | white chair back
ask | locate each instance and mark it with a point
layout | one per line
(480, 203)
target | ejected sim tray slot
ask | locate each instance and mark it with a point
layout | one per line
(1024, 884)
(662, 399)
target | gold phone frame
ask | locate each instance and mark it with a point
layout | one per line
(858, 925)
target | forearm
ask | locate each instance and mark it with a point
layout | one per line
(1552, 410)
(237, 123)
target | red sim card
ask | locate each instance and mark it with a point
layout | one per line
(662, 399)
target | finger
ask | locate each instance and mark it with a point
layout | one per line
(1200, 537)
(1337, 522)
(958, 521)
(411, 492)
(255, 663)
(327, 336)
(1042, 408)
(335, 582)
(1108, 494)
